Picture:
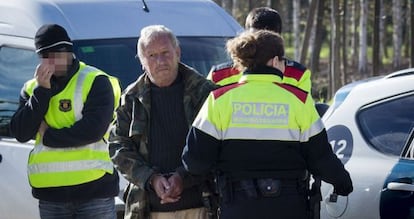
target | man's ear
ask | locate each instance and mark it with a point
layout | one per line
(275, 61)
(178, 51)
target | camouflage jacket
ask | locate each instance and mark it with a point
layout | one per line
(128, 143)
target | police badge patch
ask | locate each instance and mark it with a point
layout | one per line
(65, 105)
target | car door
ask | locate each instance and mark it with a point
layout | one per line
(397, 196)
(369, 138)
(16, 197)
(17, 65)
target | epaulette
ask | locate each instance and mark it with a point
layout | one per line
(221, 66)
(222, 90)
(222, 71)
(294, 64)
(299, 93)
(294, 69)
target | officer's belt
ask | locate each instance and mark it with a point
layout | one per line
(264, 187)
(279, 174)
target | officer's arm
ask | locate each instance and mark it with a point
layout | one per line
(201, 152)
(203, 140)
(325, 164)
(320, 159)
(27, 118)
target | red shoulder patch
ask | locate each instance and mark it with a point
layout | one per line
(223, 73)
(222, 90)
(299, 93)
(293, 72)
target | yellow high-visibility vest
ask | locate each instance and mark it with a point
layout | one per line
(243, 111)
(55, 167)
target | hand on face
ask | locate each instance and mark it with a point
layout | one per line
(52, 63)
(44, 72)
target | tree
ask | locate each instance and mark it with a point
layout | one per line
(397, 34)
(236, 10)
(376, 36)
(351, 30)
(383, 48)
(362, 58)
(344, 42)
(227, 5)
(308, 30)
(320, 36)
(296, 28)
(335, 60)
(355, 33)
(412, 33)
(269, 3)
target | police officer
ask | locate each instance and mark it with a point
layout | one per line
(263, 18)
(262, 137)
(67, 108)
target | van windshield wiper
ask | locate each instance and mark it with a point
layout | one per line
(11, 102)
(145, 7)
(8, 105)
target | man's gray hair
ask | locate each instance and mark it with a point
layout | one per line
(151, 32)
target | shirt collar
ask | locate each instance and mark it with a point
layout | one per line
(262, 73)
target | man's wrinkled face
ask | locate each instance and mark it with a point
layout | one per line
(160, 59)
(57, 62)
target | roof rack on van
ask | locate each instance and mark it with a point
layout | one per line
(404, 72)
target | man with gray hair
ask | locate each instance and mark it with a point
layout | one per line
(155, 115)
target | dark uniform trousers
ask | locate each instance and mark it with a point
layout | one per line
(263, 199)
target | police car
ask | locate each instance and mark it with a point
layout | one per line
(370, 126)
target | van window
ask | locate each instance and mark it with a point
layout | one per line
(114, 56)
(117, 56)
(16, 67)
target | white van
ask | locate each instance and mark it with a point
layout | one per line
(104, 33)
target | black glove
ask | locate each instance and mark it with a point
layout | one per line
(345, 187)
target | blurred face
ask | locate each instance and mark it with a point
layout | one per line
(160, 59)
(57, 62)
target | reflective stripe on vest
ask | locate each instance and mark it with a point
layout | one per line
(54, 167)
(244, 111)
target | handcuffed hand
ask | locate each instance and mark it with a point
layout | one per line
(167, 189)
(176, 188)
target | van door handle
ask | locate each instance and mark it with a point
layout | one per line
(1, 158)
(397, 186)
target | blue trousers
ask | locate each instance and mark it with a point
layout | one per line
(96, 208)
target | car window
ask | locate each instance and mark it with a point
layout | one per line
(117, 56)
(387, 125)
(408, 152)
(16, 67)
